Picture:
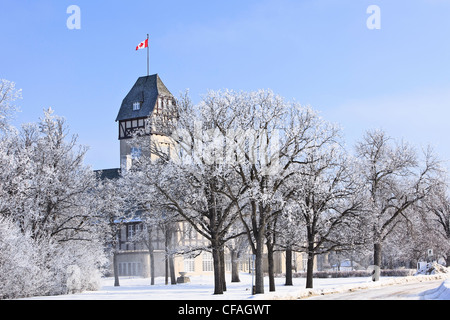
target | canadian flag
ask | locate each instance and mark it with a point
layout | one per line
(142, 45)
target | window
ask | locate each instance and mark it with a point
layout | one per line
(136, 106)
(304, 261)
(159, 107)
(135, 152)
(122, 269)
(189, 264)
(134, 229)
(244, 265)
(128, 127)
(130, 269)
(130, 231)
(207, 263)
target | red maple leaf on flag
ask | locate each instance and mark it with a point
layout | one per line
(143, 44)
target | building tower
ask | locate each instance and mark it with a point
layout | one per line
(148, 100)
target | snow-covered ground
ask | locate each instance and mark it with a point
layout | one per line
(201, 288)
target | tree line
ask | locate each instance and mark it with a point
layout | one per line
(243, 169)
(255, 165)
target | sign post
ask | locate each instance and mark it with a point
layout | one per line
(430, 255)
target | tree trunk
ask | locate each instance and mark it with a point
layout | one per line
(234, 267)
(152, 256)
(169, 256)
(288, 267)
(259, 272)
(310, 270)
(173, 279)
(218, 283)
(152, 267)
(310, 265)
(222, 268)
(376, 261)
(271, 267)
(116, 270)
(169, 265)
(166, 270)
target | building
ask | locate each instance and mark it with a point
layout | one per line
(149, 99)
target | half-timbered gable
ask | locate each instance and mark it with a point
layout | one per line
(147, 109)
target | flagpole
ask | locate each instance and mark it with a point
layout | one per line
(148, 59)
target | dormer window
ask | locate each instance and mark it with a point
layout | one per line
(136, 106)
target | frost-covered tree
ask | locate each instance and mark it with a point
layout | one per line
(154, 223)
(291, 236)
(8, 94)
(436, 211)
(234, 155)
(395, 179)
(174, 178)
(111, 206)
(238, 249)
(20, 274)
(158, 222)
(408, 242)
(47, 207)
(272, 139)
(324, 204)
(50, 200)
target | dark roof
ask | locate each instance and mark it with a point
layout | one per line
(145, 90)
(108, 173)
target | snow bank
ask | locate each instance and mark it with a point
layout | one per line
(432, 268)
(440, 293)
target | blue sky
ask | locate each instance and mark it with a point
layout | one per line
(318, 52)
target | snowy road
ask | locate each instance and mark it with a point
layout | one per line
(408, 291)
